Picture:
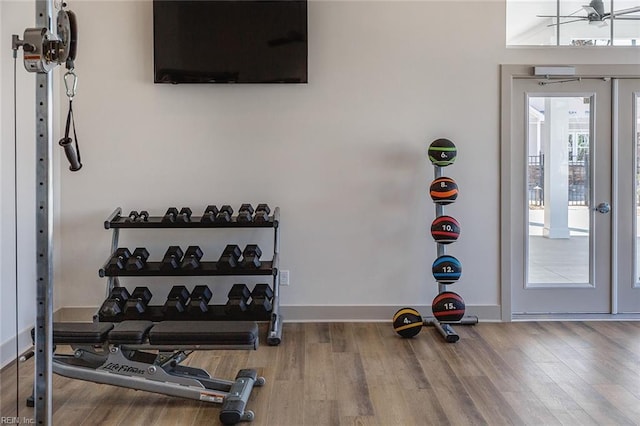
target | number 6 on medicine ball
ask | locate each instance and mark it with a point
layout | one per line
(442, 152)
(407, 322)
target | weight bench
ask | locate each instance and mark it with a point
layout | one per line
(119, 355)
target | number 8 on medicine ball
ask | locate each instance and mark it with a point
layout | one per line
(442, 152)
(407, 322)
(448, 306)
(443, 190)
(445, 229)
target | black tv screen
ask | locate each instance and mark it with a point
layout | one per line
(232, 41)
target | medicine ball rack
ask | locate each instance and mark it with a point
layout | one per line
(116, 221)
(445, 328)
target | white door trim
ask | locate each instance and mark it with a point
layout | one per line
(509, 240)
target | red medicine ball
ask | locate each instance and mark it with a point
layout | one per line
(448, 306)
(445, 229)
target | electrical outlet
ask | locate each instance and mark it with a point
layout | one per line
(284, 277)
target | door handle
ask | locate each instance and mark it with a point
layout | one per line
(603, 208)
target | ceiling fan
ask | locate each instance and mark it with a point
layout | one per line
(595, 14)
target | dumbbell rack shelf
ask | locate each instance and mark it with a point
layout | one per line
(116, 221)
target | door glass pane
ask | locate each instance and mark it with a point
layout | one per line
(558, 186)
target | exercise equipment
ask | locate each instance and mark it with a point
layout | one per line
(191, 259)
(251, 256)
(172, 259)
(138, 301)
(446, 269)
(261, 298)
(200, 297)
(145, 356)
(143, 216)
(137, 260)
(170, 216)
(113, 306)
(448, 307)
(442, 152)
(445, 229)
(262, 213)
(407, 322)
(210, 213)
(443, 190)
(229, 258)
(43, 51)
(118, 260)
(245, 213)
(184, 215)
(176, 301)
(238, 298)
(224, 214)
(133, 216)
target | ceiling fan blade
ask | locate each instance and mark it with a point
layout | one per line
(625, 11)
(627, 18)
(589, 10)
(566, 22)
(561, 16)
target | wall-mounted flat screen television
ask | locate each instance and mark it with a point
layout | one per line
(230, 41)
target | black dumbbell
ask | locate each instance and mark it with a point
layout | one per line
(143, 216)
(184, 215)
(229, 257)
(176, 301)
(238, 298)
(251, 256)
(191, 259)
(133, 216)
(118, 260)
(210, 213)
(262, 213)
(114, 305)
(172, 258)
(170, 216)
(245, 213)
(261, 299)
(224, 214)
(138, 301)
(200, 297)
(138, 259)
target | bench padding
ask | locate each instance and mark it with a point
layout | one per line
(81, 332)
(204, 333)
(130, 332)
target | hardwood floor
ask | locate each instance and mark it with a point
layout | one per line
(529, 373)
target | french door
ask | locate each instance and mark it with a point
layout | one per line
(562, 195)
(570, 192)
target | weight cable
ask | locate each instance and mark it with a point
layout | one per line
(15, 213)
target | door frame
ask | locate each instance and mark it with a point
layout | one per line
(509, 241)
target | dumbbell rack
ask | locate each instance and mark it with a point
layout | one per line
(116, 221)
(445, 329)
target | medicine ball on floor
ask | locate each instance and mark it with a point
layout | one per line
(445, 229)
(448, 306)
(443, 190)
(442, 152)
(407, 322)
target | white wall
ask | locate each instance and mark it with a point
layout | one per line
(343, 156)
(14, 17)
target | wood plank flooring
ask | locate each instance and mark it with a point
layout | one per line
(523, 373)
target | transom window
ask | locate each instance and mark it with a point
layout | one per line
(573, 23)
